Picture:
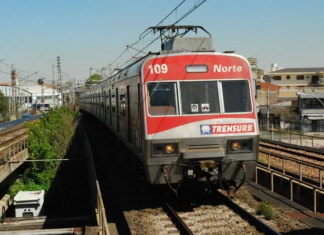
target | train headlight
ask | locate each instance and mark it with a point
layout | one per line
(165, 149)
(240, 146)
(169, 148)
(236, 145)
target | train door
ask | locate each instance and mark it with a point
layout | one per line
(117, 109)
(139, 121)
(129, 120)
(109, 103)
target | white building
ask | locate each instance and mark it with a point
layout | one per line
(292, 80)
(30, 95)
(298, 77)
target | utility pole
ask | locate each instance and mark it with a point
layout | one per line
(53, 88)
(103, 73)
(59, 77)
(74, 92)
(43, 97)
(14, 79)
(41, 82)
(27, 99)
(268, 109)
(62, 90)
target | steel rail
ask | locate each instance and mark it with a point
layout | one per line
(261, 226)
(306, 163)
(297, 174)
(5, 132)
(181, 226)
(292, 146)
(16, 138)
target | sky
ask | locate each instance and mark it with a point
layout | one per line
(93, 33)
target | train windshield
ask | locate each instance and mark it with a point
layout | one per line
(236, 95)
(199, 97)
(162, 98)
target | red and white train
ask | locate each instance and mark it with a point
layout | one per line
(186, 112)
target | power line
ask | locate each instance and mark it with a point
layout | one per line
(198, 4)
(4, 72)
(146, 33)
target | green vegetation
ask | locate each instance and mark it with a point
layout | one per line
(94, 79)
(286, 112)
(262, 160)
(48, 138)
(4, 106)
(264, 208)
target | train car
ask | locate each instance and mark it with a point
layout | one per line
(186, 112)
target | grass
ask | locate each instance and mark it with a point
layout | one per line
(264, 208)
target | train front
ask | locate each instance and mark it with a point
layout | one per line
(200, 119)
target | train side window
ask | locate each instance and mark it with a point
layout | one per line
(122, 105)
(113, 103)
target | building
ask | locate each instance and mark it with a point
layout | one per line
(292, 80)
(263, 95)
(311, 105)
(30, 95)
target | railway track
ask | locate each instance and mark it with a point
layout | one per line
(305, 152)
(12, 135)
(223, 216)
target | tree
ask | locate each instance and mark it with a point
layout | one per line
(286, 114)
(69, 84)
(94, 79)
(3, 105)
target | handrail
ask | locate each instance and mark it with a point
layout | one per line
(299, 141)
(299, 162)
(13, 149)
(292, 182)
(97, 202)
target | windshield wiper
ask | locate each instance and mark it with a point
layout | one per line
(155, 88)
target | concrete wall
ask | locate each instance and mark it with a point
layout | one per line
(263, 97)
(7, 168)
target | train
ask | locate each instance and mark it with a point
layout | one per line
(187, 112)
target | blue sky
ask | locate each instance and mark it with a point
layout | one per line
(92, 33)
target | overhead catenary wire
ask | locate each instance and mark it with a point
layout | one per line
(146, 33)
(5, 72)
(198, 4)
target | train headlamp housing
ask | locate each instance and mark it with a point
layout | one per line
(165, 149)
(239, 146)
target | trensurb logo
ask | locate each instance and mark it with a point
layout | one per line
(205, 129)
(227, 128)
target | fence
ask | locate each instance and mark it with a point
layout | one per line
(15, 148)
(304, 126)
(291, 179)
(293, 138)
(17, 122)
